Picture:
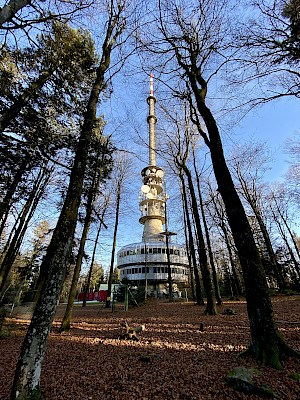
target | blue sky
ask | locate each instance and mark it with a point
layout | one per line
(273, 122)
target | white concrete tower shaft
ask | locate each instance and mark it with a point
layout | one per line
(152, 198)
(152, 121)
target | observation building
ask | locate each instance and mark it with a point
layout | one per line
(148, 262)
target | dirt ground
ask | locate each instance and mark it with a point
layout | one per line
(173, 359)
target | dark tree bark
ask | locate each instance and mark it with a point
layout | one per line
(207, 236)
(189, 256)
(26, 383)
(9, 10)
(204, 266)
(252, 199)
(65, 325)
(104, 208)
(199, 298)
(285, 239)
(221, 222)
(113, 251)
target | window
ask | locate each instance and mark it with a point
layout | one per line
(163, 251)
(154, 270)
(142, 250)
(154, 250)
(150, 250)
(159, 250)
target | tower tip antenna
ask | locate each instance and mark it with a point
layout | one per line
(151, 84)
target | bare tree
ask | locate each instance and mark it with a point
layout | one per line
(269, 52)
(24, 14)
(121, 171)
(248, 164)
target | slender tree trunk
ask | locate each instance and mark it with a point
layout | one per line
(188, 247)
(283, 235)
(111, 269)
(237, 285)
(199, 298)
(26, 383)
(65, 325)
(94, 254)
(207, 236)
(207, 283)
(284, 220)
(223, 226)
(272, 258)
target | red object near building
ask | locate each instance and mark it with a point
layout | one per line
(102, 295)
(99, 296)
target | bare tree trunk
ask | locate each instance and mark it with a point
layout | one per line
(253, 203)
(65, 325)
(26, 383)
(207, 236)
(189, 246)
(284, 220)
(199, 298)
(94, 253)
(283, 235)
(113, 251)
(207, 283)
(219, 210)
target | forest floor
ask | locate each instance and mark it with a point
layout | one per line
(173, 359)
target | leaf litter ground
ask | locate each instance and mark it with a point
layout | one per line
(173, 359)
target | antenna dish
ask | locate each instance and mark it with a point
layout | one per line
(149, 195)
(160, 173)
(145, 189)
(147, 172)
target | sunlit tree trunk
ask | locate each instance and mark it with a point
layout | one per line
(26, 383)
(65, 325)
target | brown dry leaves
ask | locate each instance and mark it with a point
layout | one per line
(173, 359)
